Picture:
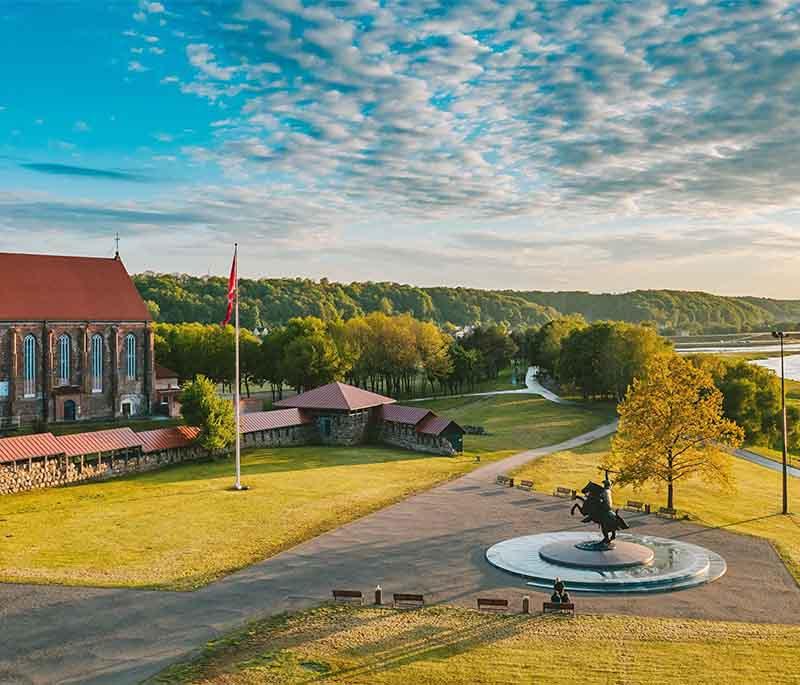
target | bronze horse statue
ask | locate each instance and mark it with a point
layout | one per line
(596, 506)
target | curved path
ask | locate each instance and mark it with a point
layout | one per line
(532, 387)
(433, 542)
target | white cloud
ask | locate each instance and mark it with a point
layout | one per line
(202, 57)
(163, 137)
(81, 127)
(136, 66)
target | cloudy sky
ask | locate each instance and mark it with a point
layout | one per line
(594, 145)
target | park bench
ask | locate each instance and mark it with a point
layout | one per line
(492, 604)
(564, 492)
(640, 507)
(348, 596)
(558, 608)
(668, 512)
(505, 481)
(404, 600)
(526, 485)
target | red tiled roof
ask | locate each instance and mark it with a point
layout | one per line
(164, 372)
(436, 425)
(400, 414)
(98, 441)
(337, 396)
(56, 288)
(270, 420)
(167, 438)
(29, 447)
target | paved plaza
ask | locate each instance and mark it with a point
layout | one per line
(433, 543)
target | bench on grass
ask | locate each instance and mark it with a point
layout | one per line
(526, 485)
(558, 608)
(505, 481)
(405, 600)
(668, 512)
(348, 596)
(564, 492)
(492, 604)
(640, 507)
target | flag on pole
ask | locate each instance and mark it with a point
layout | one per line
(231, 291)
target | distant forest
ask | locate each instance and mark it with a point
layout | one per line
(265, 302)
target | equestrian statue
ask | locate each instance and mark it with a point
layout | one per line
(596, 506)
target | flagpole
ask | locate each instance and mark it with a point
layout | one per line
(238, 484)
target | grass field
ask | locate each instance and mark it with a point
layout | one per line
(750, 509)
(181, 528)
(448, 646)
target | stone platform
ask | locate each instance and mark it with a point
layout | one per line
(636, 564)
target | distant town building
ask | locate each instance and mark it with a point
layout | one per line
(76, 340)
(167, 391)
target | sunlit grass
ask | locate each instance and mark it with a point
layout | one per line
(182, 527)
(448, 646)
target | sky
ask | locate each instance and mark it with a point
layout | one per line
(558, 145)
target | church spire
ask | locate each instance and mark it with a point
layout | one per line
(116, 243)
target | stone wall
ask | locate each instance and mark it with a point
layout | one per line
(406, 436)
(56, 471)
(294, 436)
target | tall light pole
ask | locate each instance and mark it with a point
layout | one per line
(780, 335)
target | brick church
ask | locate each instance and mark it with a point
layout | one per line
(76, 340)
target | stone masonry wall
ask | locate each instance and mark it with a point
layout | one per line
(406, 437)
(294, 436)
(56, 471)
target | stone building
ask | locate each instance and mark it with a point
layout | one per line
(345, 415)
(75, 340)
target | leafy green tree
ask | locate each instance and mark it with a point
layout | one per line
(203, 407)
(672, 426)
(545, 345)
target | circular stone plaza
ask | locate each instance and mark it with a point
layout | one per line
(630, 564)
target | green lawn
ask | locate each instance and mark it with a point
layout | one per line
(448, 646)
(181, 528)
(750, 509)
(521, 421)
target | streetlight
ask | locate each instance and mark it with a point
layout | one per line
(780, 335)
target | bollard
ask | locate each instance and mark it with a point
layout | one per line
(378, 595)
(526, 605)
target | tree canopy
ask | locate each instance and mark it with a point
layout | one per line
(671, 426)
(180, 298)
(203, 407)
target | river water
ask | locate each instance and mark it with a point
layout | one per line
(791, 361)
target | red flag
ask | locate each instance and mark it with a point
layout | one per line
(231, 291)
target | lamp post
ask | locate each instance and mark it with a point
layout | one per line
(780, 335)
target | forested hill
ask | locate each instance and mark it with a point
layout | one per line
(178, 298)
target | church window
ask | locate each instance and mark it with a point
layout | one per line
(130, 355)
(64, 351)
(97, 363)
(29, 366)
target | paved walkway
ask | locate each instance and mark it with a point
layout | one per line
(768, 463)
(532, 387)
(433, 542)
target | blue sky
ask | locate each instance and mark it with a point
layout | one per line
(557, 145)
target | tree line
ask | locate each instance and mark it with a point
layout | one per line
(398, 355)
(265, 302)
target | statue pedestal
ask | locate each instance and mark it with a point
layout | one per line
(597, 554)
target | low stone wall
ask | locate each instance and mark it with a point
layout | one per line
(294, 436)
(55, 471)
(406, 437)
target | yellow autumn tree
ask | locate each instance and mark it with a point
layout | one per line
(671, 426)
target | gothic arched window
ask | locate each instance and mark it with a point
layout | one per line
(64, 359)
(97, 363)
(130, 355)
(29, 366)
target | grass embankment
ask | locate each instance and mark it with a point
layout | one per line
(751, 508)
(448, 646)
(181, 527)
